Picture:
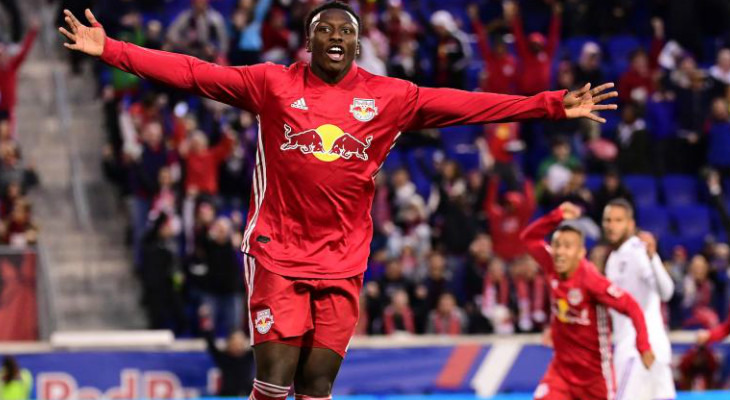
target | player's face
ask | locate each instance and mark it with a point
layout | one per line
(567, 251)
(333, 43)
(617, 224)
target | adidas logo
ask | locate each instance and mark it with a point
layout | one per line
(300, 104)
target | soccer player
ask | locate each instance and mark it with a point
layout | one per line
(325, 128)
(581, 368)
(716, 334)
(635, 267)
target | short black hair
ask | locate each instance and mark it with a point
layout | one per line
(622, 203)
(332, 5)
(571, 228)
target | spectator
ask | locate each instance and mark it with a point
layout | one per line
(637, 84)
(12, 169)
(632, 140)
(535, 53)
(278, 40)
(611, 188)
(502, 145)
(9, 67)
(719, 136)
(588, 69)
(398, 316)
(404, 64)
(698, 293)
(20, 230)
(236, 362)
(199, 31)
(224, 281)
(554, 171)
(662, 126)
(436, 282)
(495, 298)
(247, 43)
(398, 25)
(447, 318)
(393, 281)
(508, 217)
(15, 383)
(202, 163)
(161, 277)
(692, 103)
(452, 54)
(501, 66)
(721, 70)
(530, 287)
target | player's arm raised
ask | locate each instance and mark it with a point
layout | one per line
(438, 107)
(533, 237)
(238, 86)
(612, 296)
(659, 274)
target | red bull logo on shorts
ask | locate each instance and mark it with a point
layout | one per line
(327, 143)
(363, 109)
(264, 320)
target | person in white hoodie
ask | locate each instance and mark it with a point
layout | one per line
(635, 267)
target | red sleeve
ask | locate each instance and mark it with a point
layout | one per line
(520, 40)
(529, 207)
(533, 238)
(27, 45)
(553, 35)
(482, 40)
(720, 332)
(435, 108)
(612, 296)
(655, 49)
(492, 207)
(238, 86)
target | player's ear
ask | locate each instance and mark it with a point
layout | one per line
(357, 48)
(308, 45)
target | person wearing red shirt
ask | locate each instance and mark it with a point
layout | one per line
(534, 52)
(716, 334)
(579, 323)
(325, 128)
(202, 163)
(9, 67)
(637, 84)
(507, 222)
(501, 66)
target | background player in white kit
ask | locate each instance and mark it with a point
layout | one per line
(635, 267)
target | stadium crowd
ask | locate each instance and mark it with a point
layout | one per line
(449, 204)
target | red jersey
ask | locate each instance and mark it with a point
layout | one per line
(9, 73)
(506, 226)
(580, 324)
(320, 146)
(534, 72)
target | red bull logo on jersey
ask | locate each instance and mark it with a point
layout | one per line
(326, 143)
(363, 110)
(263, 322)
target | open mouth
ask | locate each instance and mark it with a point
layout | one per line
(336, 53)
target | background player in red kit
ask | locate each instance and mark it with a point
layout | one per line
(325, 129)
(582, 368)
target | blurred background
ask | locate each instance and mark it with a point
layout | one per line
(122, 202)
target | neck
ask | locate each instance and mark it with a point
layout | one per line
(620, 242)
(329, 77)
(567, 274)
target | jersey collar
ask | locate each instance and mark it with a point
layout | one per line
(314, 81)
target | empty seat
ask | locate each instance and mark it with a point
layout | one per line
(643, 188)
(679, 190)
(692, 244)
(654, 219)
(691, 220)
(594, 182)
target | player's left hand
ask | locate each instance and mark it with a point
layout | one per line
(583, 102)
(647, 358)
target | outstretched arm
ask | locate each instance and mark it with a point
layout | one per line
(435, 108)
(27, 45)
(238, 86)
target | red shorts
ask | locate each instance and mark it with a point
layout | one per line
(554, 387)
(301, 312)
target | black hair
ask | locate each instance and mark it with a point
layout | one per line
(571, 228)
(11, 370)
(622, 203)
(332, 5)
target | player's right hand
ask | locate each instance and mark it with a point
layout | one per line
(570, 211)
(86, 39)
(647, 358)
(703, 337)
(649, 241)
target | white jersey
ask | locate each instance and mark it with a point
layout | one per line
(630, 268)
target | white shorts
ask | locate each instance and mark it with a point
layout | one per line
(634, 382)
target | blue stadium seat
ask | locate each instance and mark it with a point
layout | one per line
(462, 134)
(654, 219)
(692, 220)
(643, 188)
(594, 182)
(620, 47)
(573, 46)
(692, 244)
(679, 190)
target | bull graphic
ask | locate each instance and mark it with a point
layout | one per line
(307, 141)
(347, 145)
